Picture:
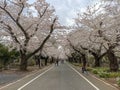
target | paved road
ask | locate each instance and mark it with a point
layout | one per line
(62, 77)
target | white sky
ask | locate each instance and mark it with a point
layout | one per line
(66, 9)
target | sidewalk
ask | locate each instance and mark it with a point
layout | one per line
(9, 76)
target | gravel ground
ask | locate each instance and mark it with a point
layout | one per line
(7, 78)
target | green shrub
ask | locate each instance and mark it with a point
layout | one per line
(118, 82)
(7, 56)
(114, 74)
(104, 74)
(95, 71)
(102, 69)
(89, 69)
(31, 62)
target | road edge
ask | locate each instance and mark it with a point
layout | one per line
(94, 86)
(24, 77)
(97, 78)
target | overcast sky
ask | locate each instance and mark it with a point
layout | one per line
(66, 9)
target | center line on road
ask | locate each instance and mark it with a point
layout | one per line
(34, 79)
(84, 77)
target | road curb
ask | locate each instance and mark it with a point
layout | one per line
(105, 82)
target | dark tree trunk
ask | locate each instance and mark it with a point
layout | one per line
(113, 60)
(23, 63)
(70, 59)
(84, 61)
(97, 62)
(46, 61)
(80, 60)
(75, 60)
(52, 60)
(97, 59)
(39, 62)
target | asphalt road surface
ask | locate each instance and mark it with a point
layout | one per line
(62, 77)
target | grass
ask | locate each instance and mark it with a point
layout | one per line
(104, 72)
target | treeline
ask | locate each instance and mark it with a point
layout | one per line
(10, 59)
(7, 56)
(97, 36)
(26, 29)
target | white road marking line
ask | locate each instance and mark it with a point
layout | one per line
(19, 80)
(104, 82)
(84, 78)
(34, 79)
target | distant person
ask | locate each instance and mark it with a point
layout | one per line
(57, 62)
(84, 70)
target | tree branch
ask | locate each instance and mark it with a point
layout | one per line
(17, 23)
(44, 41)
(22, 7)
(36, 29)
(41, 15)
(11, 33)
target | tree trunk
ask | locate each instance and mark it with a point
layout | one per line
(39, 62)
(23, 63)
(84, 63)
(52, 60)
(97, 59)
(80, 60)
(113, 61)
(97, 62)
(46, 61)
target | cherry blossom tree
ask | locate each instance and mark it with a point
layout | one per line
(75, 41)
(28, 26)
(102, 21)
